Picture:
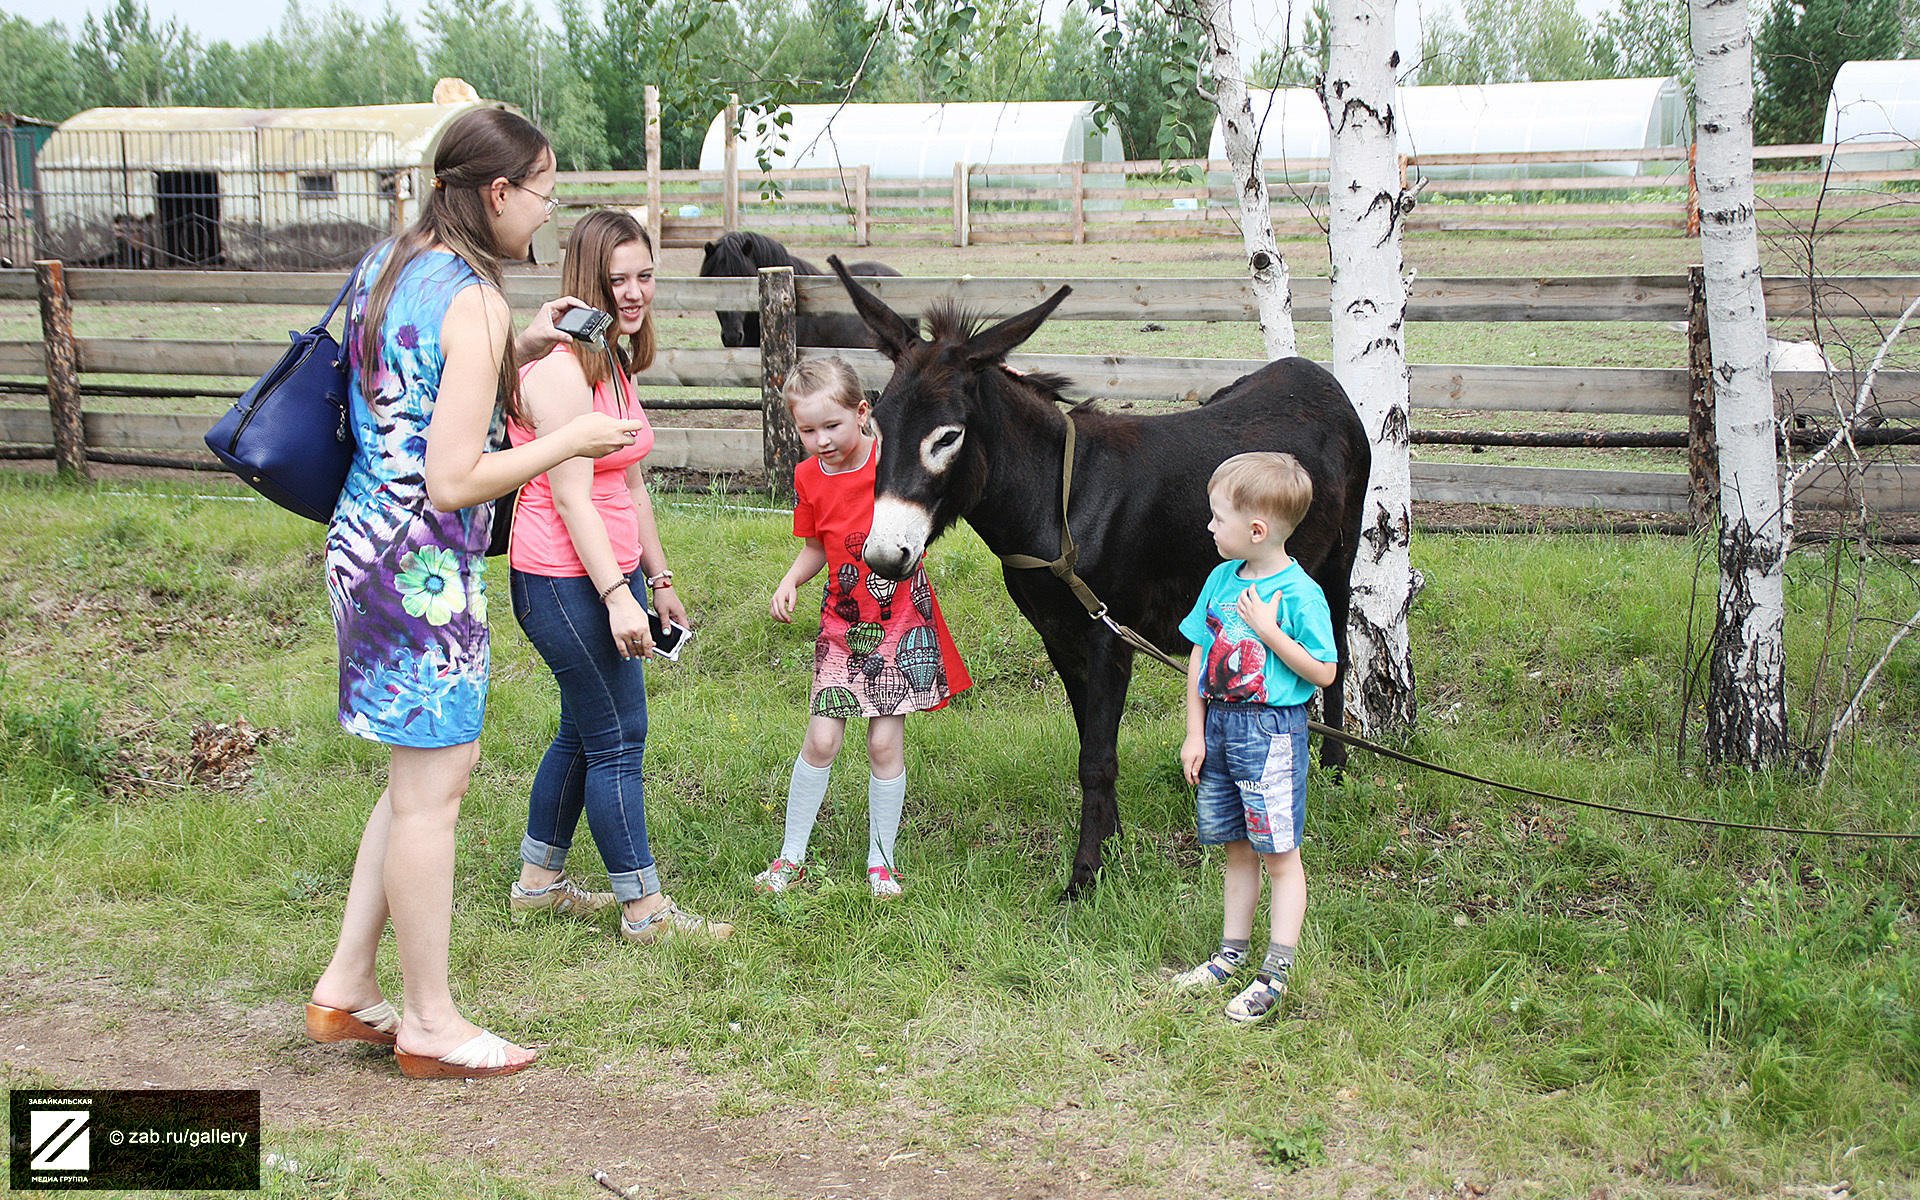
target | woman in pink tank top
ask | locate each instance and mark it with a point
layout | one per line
(586, 553)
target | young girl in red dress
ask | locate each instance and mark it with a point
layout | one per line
(883, 649)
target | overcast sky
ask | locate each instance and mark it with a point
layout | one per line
(245, 20)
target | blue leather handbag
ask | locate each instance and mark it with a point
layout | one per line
(290, 436)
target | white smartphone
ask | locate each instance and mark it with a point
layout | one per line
(668, 636)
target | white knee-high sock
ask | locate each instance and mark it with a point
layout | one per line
(805, 790)
(885, 799)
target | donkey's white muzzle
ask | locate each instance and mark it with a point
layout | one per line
(898, 538)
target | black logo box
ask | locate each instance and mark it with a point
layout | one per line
(143, 1140)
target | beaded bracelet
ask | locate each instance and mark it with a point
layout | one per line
(611, 588)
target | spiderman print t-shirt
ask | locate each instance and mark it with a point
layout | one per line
(1239, 666)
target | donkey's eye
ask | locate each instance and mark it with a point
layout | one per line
(938, 448)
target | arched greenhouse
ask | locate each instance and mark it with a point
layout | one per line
(1585, 114)
(917, 141)
(1876, 102)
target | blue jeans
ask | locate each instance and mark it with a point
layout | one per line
(1253, 784)
(594, 762)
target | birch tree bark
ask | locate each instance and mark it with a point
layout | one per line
(1746, 688)
(1369, 306)
(1272, 284)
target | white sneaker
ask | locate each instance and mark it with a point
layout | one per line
(1213, 973)
(885, 884)
(1260, 1000)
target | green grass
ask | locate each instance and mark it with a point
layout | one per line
(1488, 988)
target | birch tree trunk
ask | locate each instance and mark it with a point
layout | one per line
(1272, 285)
(1746, 689)
(1369, 306)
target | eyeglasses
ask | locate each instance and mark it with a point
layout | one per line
(547, 198)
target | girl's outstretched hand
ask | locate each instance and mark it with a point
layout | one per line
(784, 598)
(596, 435)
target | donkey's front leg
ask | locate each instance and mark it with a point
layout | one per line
(1098, 700)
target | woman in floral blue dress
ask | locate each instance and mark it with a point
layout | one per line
(433, 376)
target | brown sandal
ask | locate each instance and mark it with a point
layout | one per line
(481, 1057)
(377, 1024)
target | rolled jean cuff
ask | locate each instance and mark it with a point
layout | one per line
(539, 854)
(635, 885)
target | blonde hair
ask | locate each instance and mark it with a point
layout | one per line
(830, 377)
(1265, 483)
(584, 274)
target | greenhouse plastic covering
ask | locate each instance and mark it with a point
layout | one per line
(918, 141)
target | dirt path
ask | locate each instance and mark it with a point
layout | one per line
(650, 1124)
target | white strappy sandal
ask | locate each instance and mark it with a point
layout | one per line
(376, 1023)
(480, 1057)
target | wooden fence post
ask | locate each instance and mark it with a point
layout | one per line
(862, 219)
(1703, 448)
(779, 350)
(63, 370)
(1079, 203)
(730, 203)
(656, 198)
(960, 204)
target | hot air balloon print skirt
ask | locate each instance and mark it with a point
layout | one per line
(883, 647)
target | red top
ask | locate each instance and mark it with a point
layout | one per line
(541, 543)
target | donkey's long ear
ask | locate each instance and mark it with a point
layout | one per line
(993, 345)
(890, 329)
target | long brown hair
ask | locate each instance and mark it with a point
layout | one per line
(477, 148)
(584, 275)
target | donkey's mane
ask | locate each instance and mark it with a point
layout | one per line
(750, 251)
(951, 321)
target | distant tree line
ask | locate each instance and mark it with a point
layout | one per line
(583, 81)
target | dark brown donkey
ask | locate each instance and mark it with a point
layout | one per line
(967, 437)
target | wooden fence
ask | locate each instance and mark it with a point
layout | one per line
(60, 363)
(1153, 199)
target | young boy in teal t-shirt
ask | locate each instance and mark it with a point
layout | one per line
(1262, 643)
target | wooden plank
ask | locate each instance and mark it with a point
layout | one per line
(1620, 298)
(728, 451)
(1507, 158)
(1884, 296)
(1550, 487)
(149, 431)
(22, 358)
(1619, 390)
(734, 367)
(1883, 487)
(31, 426)
(154, 356)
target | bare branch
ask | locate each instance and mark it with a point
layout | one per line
(1853, 706)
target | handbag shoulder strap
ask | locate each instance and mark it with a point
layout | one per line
(346, 289)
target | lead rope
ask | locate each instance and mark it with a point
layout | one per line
(1063, 569)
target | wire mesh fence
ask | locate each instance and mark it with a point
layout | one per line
(246, 198)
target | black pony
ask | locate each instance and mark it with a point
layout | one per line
(744, 254)
(967, 437)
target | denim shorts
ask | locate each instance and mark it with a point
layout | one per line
(1253, 785)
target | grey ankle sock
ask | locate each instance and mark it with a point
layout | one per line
(1234, 950)
(1278, 962)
